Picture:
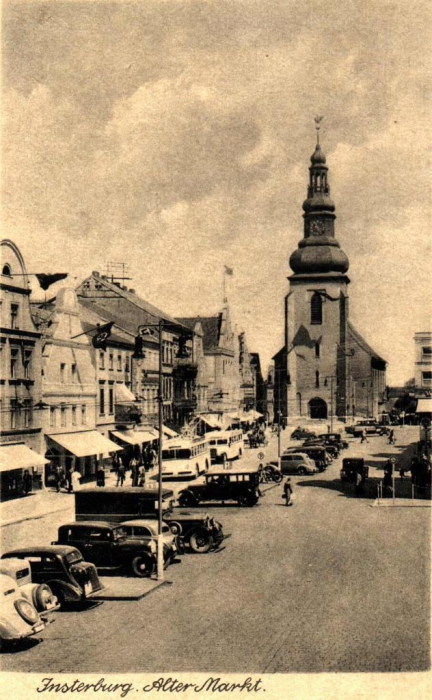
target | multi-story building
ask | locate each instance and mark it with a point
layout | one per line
(325, 367)
(69, 390)
(259, 384)
(423, 360)
(247, 376)
(141, 320)
(20, 379)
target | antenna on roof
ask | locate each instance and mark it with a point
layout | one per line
(117, 271)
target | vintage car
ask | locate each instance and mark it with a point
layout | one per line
(19, 618)
(240, 486)
(371, 426)
(332, 450)
(318, 454)
(38, 594)
(302, 434)
(62, 568)
(296, 463)
(108, 547)
(351, 466)
(147, 531)
(334, 439)
(200, 533)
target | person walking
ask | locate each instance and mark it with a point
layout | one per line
(69, 486)
(58, 477)
(26, 483)
(120, 473)
(141, 476)
(288, 492)
(75, 481)
(134, 471)
(364, 436)
(359, 484)
(100, 476)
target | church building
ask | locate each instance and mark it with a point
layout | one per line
(325, 367)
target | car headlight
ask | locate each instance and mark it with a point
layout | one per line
(26, 611)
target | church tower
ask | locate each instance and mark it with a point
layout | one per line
(316, 311)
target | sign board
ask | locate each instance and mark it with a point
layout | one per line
(144, 331)
(425, 422)
(260, 455)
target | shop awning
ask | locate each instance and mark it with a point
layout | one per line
(424, 406)
(166, 431)
(123, 394)
(19, 457)
(134, 437)
(85, 444)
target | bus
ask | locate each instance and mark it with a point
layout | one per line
(225, 445)
(183, 457)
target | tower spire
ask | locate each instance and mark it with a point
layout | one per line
(318, 121)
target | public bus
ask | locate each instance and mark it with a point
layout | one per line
(225, 445)
(183, 457)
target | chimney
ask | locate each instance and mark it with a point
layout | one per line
(123, 286)
(132, 291)
(95, 273)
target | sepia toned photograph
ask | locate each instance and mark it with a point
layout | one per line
(216, 349)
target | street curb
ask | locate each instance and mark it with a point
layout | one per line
(106, 596)
(32, 517)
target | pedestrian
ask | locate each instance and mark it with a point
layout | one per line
(75, 481)
(26, 483)
(391, 437)
(152, 458)
(69, 486)
(100, 476)
(288, 492)
(359, 484)
(120, 473)
(58, 477)
(364, 436)
(141, 476)
(134, 470)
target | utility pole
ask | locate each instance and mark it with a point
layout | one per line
(160, 562)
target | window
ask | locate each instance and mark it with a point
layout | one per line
(101, 400)
(317, 379)
(127, 366)
(101, 360)
(62, 372)
(6, 270)
(317, 349)
(427, 353)
(14, 414)
(119, 363)
(27, 363)
(27, 413)
(74, 415)
(111, 399)
(14, 363)
(83, 414)
(316, 309)
(426, 378)
(63, 416)
(14, 315)
(111, 361)
(74, 374)
(53, 417)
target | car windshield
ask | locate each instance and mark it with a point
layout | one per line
(73, 557)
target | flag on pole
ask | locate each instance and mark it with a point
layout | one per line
(46, 281)
(228, 270)
(103, 333)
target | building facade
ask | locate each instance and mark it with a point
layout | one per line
(247, 376)
(423, 360)
(20, 379)
(325, 367)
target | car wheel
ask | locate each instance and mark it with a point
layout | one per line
(247, 500)
(43, 597)
(59, 594)
(301, 471)
(187, 499)
(200, 541)
(180, 545)
(142, 566)
(176, 528)
(277, 477)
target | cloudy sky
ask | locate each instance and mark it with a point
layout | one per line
(175, 135)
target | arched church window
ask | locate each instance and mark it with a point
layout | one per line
(316, 309)
(6, 270)
(317, 379)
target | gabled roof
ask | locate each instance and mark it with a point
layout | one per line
(357, 338)
(279, 353)
(90, 318)
(211, 329)
(144, 311)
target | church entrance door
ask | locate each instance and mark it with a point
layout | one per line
(317, 408)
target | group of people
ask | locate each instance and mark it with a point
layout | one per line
(257, 436)
(69, 480)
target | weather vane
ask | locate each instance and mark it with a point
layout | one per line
(318, 121)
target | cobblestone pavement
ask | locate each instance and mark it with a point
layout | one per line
(330, 584)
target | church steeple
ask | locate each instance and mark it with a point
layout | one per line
(319, 251)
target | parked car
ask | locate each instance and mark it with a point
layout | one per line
(147, 531)
(108, 547)
(318, 454)
(63, 569)
(296, 463)
(38, 594)
(371, 426)
(351, 466)
(199, 532)
(302, 434)
(332, 450)
(19, 618)
(334, 439)
(240, 486)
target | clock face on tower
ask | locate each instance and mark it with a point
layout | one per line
(317, 228)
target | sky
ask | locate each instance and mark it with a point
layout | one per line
(175, 136)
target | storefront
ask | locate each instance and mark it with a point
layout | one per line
(133, 442)
(21, 470)
(81, 451)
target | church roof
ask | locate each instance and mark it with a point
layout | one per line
(355, 336)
